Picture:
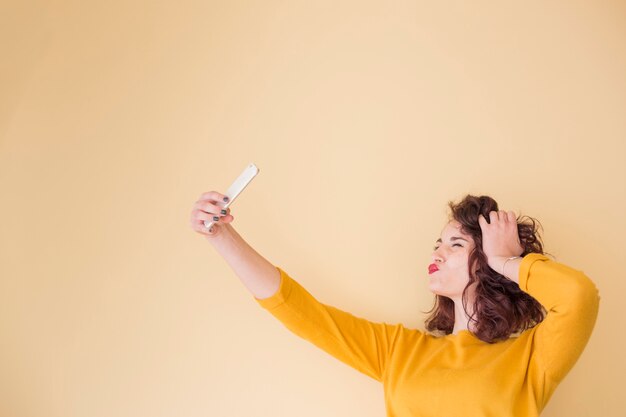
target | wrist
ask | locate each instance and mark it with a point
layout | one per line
(499, 263)
(496, 262)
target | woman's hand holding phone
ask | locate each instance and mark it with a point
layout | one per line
(210, 208)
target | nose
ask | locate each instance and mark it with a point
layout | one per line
(436, 256)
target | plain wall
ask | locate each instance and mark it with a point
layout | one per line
(365, 119)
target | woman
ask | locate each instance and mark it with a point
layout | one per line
(493, 350)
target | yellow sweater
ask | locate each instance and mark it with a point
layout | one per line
(456, 375)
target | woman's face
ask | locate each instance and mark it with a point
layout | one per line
(451, 254)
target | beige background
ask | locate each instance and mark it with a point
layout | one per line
(365, 118)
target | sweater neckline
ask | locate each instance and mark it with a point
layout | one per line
(460, 332)
(464, 336)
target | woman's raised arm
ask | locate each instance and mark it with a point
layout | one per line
(258, 275)
(362, 344)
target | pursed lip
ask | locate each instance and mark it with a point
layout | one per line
(432, 268)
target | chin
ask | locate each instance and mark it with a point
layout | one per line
(435, 291)
(438, 291)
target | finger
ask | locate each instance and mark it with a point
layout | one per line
(213, 196)
(482, 221)
(210, 208)
(502, 216)
(210, 230)
(206, 206)
(224, 219)
(201, 215)
(200, 227)
(198, 217)
(511, 217)
(493, 217)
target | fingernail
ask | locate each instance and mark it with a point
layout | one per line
(223, 212)
(215, 218)
(225, 199)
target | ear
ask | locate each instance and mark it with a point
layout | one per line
(474, 253)
(473, 267)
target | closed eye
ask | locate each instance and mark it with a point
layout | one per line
(454, 244)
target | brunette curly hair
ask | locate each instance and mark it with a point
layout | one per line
(501, 308)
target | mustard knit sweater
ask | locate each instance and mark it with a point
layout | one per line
(456, 375)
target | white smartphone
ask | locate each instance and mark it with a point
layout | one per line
(236, 188)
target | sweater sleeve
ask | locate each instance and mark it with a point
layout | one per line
(571, 300)
(359, 343)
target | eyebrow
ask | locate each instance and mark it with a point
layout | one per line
(452, 238)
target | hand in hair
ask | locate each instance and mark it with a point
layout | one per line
(500, 235)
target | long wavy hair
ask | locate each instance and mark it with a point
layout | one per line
(500, 308)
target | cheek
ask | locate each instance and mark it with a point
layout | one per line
(457, 262)
(461, 271)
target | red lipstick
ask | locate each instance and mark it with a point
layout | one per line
(432, 268)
